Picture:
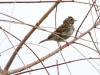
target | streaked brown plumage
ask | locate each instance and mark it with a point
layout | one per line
(63, 32)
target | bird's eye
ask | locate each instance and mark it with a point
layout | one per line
(71, 18)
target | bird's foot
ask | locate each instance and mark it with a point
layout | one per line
(67, 43)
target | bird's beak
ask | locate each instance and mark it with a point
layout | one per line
(75, 20)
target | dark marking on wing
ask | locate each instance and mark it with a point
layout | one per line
(59, 30)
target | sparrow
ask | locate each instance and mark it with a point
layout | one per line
(63, 32)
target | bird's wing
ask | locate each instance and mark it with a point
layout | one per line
(59, 30)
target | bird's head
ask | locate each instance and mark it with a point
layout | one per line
(69, 20)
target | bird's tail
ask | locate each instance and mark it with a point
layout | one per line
(43, 41)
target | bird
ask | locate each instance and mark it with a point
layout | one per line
(63, 32)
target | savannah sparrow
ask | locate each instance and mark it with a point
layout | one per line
(63, 32)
